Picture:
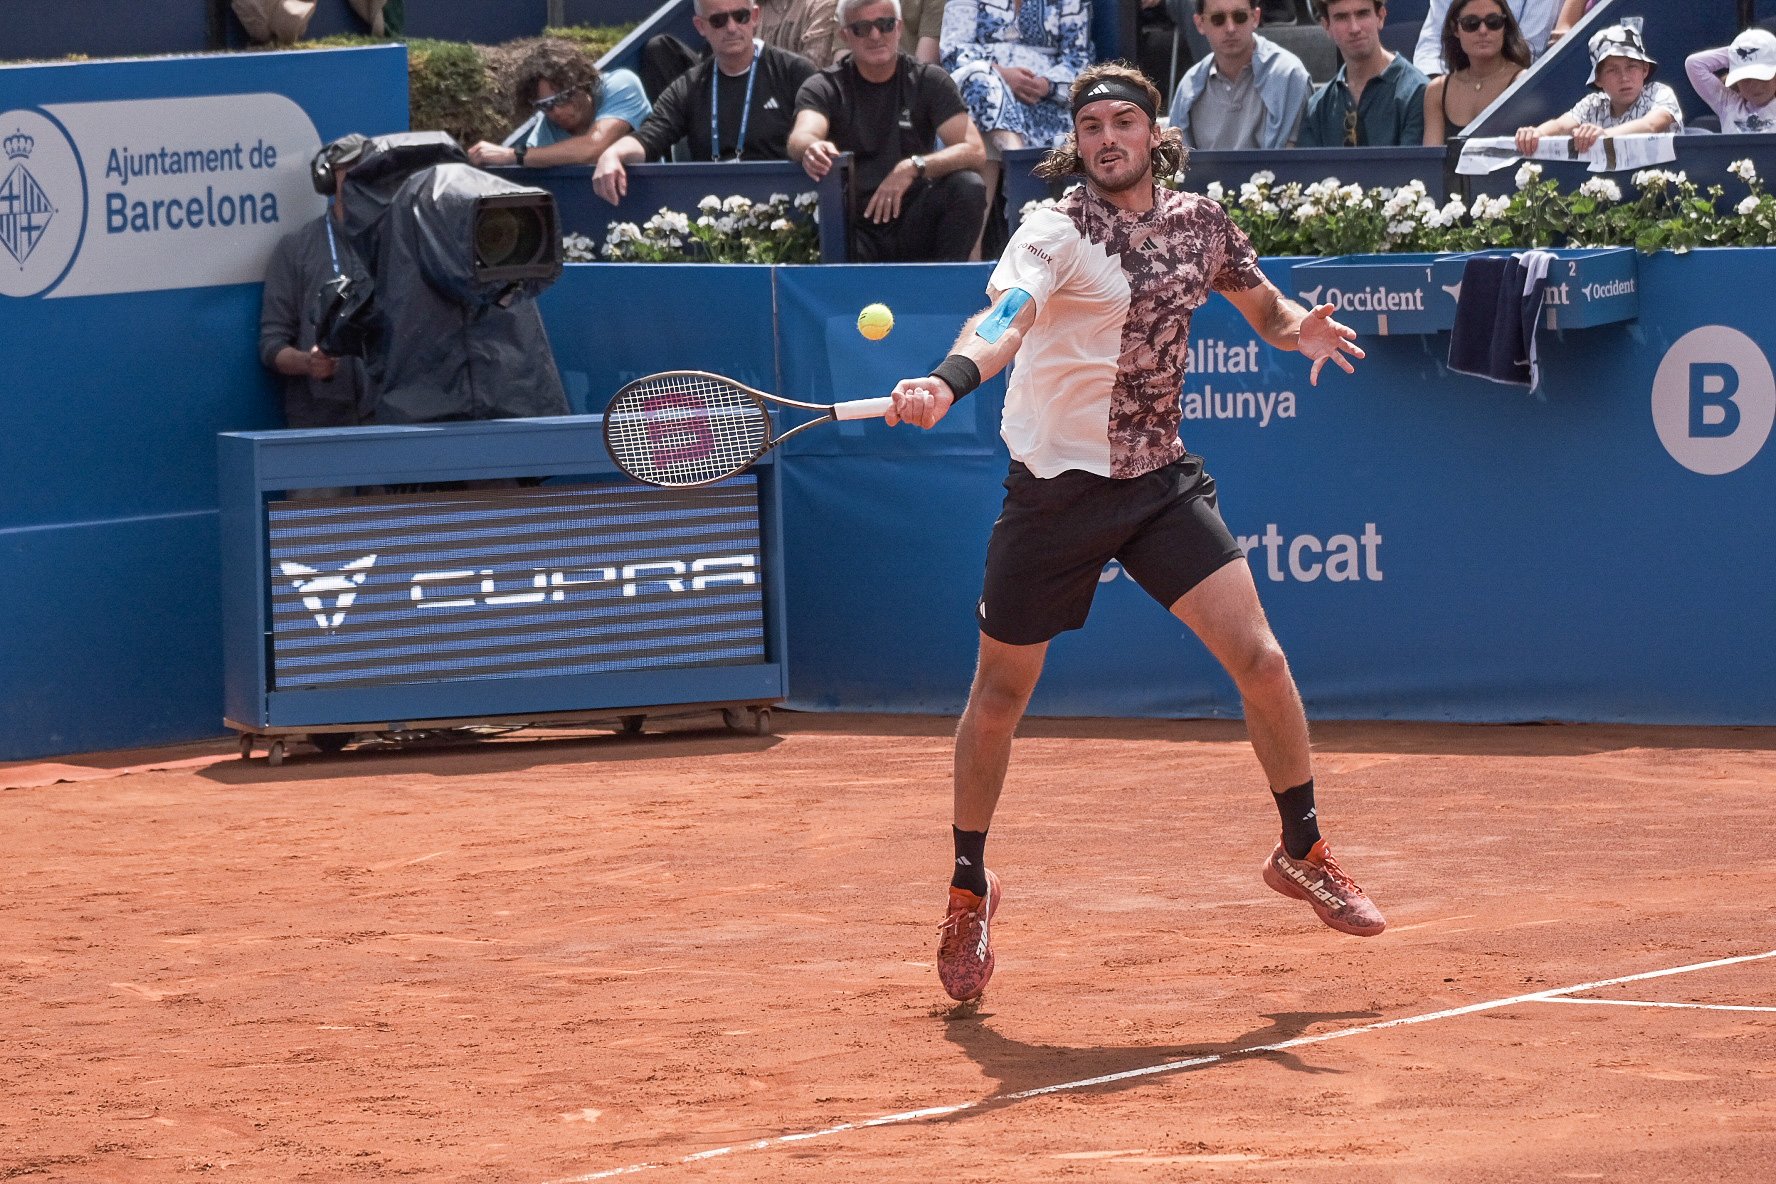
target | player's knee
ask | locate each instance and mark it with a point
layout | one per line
(1262, 665)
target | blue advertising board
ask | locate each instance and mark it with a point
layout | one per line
(139, 202)
(1427, 545)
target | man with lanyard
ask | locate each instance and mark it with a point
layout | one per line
(737, 104)
(919, 203)
(1094, 297)
(319, 389)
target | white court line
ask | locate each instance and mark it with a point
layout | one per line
(1643, 1003)
(1166, 1067)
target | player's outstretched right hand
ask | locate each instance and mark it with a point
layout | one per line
(920, 402)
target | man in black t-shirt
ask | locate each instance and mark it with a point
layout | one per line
(920, 203)
(750, 86)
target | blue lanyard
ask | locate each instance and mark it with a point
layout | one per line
(332, 248)
(715, 139)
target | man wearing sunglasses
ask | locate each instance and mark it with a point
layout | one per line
(917, 202)
(1377, 96)
(737, 104)
(1249, 93)
(574, 112)
(1536, 18)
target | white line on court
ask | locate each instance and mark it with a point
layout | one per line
(1549, 996)
(1644, 1003)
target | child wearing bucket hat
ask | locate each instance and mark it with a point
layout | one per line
(1625, 101)
(1746, 100)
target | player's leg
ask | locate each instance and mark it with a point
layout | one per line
(1186, 558)
(1004, 679)
(1223, 610)
(1043, 560)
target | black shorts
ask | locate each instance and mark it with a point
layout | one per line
(1054, 536)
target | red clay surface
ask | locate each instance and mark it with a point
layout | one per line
(538, 959)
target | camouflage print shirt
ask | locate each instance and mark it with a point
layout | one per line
(1097, 379)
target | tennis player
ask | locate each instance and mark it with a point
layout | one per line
(1094, 298)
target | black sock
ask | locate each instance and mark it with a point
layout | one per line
(1301, 826)
(971, 861)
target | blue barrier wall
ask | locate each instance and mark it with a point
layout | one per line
(128, 348)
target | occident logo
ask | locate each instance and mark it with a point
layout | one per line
(1372, 299)
(1714, 400)
(42, 203)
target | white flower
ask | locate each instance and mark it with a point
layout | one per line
(1250, 195)
(1744, 170)
(710, 204)
(1528, 175)
(1306, 210)
(806, 201)
(1402, 227)
(706, 222)
(1264, 177)
(1351, 194)
(1601, 188)
(779, 199)
(1216, 191)
(782, 225)
(1489, 209)
(1269, 207)
(725, 225)
(1747, 208)
(736, 204)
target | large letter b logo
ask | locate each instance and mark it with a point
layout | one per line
(1714, 400)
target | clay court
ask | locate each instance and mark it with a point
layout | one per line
(696, 955)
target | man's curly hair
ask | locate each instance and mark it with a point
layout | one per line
(1169, 157)
(563, 65)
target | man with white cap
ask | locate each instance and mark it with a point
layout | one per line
(1094, 298)
(1746, 101)
(1625, 102)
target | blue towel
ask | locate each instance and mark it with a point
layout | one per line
(1496, 315)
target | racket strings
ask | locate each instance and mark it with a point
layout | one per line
(685, 429)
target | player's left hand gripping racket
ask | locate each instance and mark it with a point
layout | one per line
(688, 427)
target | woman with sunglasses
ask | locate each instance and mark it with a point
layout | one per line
(1535, 19)
(1485, 51)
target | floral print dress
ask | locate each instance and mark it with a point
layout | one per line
(1048, 37)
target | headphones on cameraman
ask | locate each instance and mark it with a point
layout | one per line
(345, 151)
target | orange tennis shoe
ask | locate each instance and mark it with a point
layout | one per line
(1319, 881)
(965, 947)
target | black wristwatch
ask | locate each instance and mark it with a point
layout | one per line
(518, 154)
(918, 165)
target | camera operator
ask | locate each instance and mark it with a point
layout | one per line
(319, 389)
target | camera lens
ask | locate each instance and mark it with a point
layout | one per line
(508, 236)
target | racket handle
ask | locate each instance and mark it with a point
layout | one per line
(863, 408)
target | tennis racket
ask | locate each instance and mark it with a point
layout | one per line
(687, 427)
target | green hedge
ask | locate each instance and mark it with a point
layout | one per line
(466, 89)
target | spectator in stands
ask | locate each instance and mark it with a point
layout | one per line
(749, 87)
(807, 27)
(1625, 101)
(1249, 93)
(921, 30)
(1746, 101)
(1014, 61)
(575, 113)
(1485, 51)
(1377, 96)
(1535, 18)
(918, 205)
(319, 390)
(1571, 11)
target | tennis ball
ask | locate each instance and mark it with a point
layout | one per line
(875, 321)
